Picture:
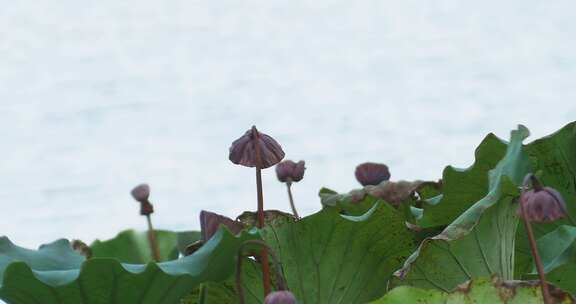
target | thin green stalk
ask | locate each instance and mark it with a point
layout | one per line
(289, 186)
(281, 281)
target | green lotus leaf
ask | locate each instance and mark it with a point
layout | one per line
(480, 290)
(553, 157)
(554, 161)
(225, 292)
(332, 258)
(480, 242)
(558, 253)
(56, 274)
(132, 247)
(463, 187)
(329, 257)
(185, 238)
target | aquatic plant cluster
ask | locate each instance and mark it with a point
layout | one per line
(455, 240)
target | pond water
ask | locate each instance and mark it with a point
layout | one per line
(96, 97)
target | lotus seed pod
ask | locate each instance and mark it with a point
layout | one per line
(280, 297)
(543, 206)
(372, 173)
(243, 150)
(289, 171)
(141, 193)
(210, 222)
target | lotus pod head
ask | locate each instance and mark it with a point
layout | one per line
(243, 150)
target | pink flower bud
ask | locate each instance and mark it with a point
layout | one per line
(280, 297)
(372, 173)
(543, 206)
(141, 194)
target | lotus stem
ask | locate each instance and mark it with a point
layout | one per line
(281, 280)
(536, 255)
(152, 240)
(263, 253)
(202, 297)
(289, 186)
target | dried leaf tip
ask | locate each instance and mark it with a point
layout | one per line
(288, 171)
(81, 248)
(280, 297)
(372, 173)
(542, 204)
(210, 222)
(246, 149)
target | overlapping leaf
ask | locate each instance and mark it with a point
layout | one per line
(330, 258)
(481, 290)
(463, 187)
(553, 158)
(133, 247)
(558, 253)
(56, 274)
(480, 242)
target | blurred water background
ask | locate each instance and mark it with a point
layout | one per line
(98, 96)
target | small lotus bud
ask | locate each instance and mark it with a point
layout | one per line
(280, 297)
(210, 222)
(372, 173)
(543, 205)
(243, 150)
(141, 194)
(289, 171)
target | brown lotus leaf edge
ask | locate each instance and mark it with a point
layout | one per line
(391, 192)
(271, 217)
(507, 289)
